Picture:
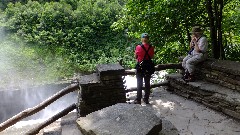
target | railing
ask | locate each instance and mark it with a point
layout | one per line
(41, 106)
(157, 68)
(52, 119)
(71, 88)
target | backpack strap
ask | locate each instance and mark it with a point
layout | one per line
(199, 38)
(146, 51)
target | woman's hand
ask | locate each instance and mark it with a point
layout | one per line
(193, 42)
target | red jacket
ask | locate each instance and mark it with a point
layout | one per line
(140, 52)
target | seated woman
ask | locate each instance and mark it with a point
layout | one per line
(198, 53)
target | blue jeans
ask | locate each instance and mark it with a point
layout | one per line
(140, 78)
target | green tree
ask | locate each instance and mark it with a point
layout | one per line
(80, 33)
(169, 23)
(230, 28)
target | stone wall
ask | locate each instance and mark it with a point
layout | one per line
(221, 72)
(101, 89)
(217, 86)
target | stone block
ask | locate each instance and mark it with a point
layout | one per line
(238, 109)
(231, 113)
(194, 93)
(205, 93)
(225, 105)
(198, 99)
(121, 119)
(181, 93)
(230, 67)
(211, 99)
(213, 106)
(69, 119)
(215, 73)
(237, 77)
(53, 129)
(107, 70)
(216, 81)
(89, 79)
(237, 88)
(228, 85)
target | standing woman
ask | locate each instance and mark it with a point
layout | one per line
(144, 51)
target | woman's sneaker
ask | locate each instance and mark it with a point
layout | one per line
(186, 75)
(136, 101)
(145, 101)
(190, 78)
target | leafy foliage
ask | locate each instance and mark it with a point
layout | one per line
(231, 27)
(77, 34)
(169, 23)
(69, 36)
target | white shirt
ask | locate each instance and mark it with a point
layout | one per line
(202, 44)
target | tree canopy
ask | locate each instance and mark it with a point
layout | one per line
(169, 23)
(75, 35)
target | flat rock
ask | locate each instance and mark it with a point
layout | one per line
(121, 119)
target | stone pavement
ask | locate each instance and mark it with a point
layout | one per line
(186, 117)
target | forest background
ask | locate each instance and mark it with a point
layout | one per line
(47, 40)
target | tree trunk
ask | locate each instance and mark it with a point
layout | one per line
(213, 33)
(221, 50)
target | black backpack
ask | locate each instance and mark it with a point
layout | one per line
(146, 67)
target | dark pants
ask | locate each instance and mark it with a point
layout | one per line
(140, 85)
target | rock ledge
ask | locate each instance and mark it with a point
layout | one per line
(121, 119)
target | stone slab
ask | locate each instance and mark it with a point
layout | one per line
(226, 66)
(71, 129)
(121, 119)
(229, 95)
(110, 70)
(53, 129)
(89, 79)
(69, 119)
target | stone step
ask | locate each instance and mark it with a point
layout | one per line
(222, 72)
(52, 129)
(71, 129)
(212, 95)
(67, 126)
